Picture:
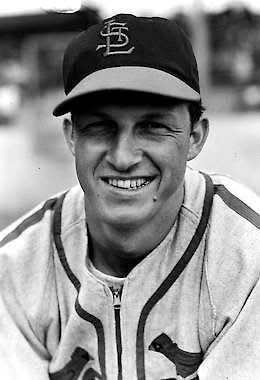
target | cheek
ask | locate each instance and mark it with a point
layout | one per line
(85, 162)
(172, 163)
(173, 155)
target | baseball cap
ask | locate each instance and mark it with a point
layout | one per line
(124, 52)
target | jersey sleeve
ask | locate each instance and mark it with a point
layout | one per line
(21, 355)
(231, 288)
(26, 299)
(235, 352)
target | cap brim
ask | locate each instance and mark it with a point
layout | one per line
(128, 78)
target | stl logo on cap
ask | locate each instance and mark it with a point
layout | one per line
(116, 40)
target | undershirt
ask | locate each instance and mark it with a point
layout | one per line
(110, 281)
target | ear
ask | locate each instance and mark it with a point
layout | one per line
(69, 134)
(198, 138)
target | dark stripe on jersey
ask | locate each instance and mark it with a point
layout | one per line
(59, 245)
(28, 222)
(237, 205)
(100, 335)
(76, 283)
(173, 276)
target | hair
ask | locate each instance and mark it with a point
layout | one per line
(196, 110)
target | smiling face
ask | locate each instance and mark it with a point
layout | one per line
(130, 160)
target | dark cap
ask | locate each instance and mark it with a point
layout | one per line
(125, 52)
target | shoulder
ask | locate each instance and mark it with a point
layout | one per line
(231, 200)
(27, 251)
(233, 228)
(232, 260)
(33, 231)
(237, 200)
(234, 224)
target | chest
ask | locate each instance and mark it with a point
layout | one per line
(150, 332)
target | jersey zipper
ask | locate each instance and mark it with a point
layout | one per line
(117, 306)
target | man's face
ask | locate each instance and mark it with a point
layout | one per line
(130, 160)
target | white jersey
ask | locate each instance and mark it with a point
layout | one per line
(189, 310)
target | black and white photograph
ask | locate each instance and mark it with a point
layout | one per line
(130, 190)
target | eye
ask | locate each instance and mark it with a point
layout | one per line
(97, 129)
(156, 128)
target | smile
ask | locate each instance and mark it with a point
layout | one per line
(130, 184)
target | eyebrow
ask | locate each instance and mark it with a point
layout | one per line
(98, 114)
(157, 115)
(146, 116)
(93, 113)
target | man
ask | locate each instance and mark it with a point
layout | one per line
(148, 269)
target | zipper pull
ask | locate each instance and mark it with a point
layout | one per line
(116, 297)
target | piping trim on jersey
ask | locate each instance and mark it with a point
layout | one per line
(237, 205)
(29, 221)
(76, 283)
(100, 335)
(172, 277)
(59, 245)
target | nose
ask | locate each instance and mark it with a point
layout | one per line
(124, 154)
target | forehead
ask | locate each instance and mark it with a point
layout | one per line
(119, 104)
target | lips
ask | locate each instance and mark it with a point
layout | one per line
(128, 183)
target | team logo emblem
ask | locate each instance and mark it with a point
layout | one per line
(186, 363)
(117, 41)
(75, 367)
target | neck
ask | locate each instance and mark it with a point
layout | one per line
(116, 250)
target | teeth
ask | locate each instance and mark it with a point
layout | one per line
(128, 183)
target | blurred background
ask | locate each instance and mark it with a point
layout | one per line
(34, 161)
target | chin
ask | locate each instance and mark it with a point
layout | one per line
(127, 217)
